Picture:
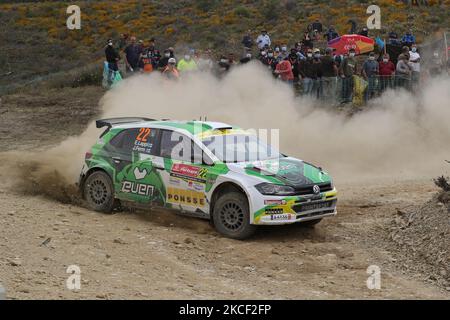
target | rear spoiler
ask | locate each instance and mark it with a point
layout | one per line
(109, 123)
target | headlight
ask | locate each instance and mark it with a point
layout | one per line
(274, 189)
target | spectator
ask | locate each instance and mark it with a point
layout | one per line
(276, 53)
(145, 60)
(329, 76)
(205, 62)
(386, 71)
(364, 32)
(153, 53)
(112, 57)
(263, 40)
(393, 38)
(246, 58)
(347, 71)
(170, 71)
(247, 41)
(317, 26)
(164, 60)
(307, 73)
(283, 54)
(231, 59)
(403, 71)
(187, 63)
(408, 39)
(262, 55)
(436, 66)
(370, 70)
(414, 63)
(294, 60)
(353, 26)
(270, 61)
(284, 70)
(223, 66)
(132, 54)
(317, 68)
(307, 41)
(123, 41)
(331, 34)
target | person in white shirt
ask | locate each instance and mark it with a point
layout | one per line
(263, 40)
(414, 63)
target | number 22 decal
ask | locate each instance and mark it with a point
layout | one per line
(143, 134)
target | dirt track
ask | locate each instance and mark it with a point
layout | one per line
(161, 255)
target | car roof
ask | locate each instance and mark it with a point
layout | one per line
(192, 126)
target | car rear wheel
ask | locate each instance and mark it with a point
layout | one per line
(231, 216)
(99, 192)
(310, 223)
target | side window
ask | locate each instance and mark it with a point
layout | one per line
(123, 141)
(177, 146)
(142, 140)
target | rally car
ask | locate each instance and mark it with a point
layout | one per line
(205, 169)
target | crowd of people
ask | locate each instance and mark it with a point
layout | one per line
(309, 64)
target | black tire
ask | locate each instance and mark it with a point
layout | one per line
(309, 223)
(231, 216)
(98, 190)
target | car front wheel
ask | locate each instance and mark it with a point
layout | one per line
(98, 191)
(231, 216)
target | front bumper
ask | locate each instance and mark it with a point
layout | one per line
(287, 210)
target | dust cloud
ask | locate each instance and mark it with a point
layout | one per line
(399, 135)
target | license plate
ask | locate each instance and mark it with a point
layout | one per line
(314, 206)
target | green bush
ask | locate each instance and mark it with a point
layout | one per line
(242, 12)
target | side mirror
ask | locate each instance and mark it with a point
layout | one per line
(207, 160)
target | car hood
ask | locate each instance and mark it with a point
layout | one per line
(287, 171)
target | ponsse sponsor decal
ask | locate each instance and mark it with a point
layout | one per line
(187, 197)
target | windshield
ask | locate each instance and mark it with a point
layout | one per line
(240, 148)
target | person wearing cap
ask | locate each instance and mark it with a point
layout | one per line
(307, 72)
(170, 71)
(347, 70)
(187, 63)
(329, 76)
(263, 40)
(132, 54)
(112, 57)
(370, 71)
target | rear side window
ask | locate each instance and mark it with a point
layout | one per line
(177, 146)
(142, 140)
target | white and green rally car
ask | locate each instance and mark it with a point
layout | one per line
(205, 169)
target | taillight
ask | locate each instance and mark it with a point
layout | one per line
(87, 156)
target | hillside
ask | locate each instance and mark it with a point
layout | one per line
(35, 42)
